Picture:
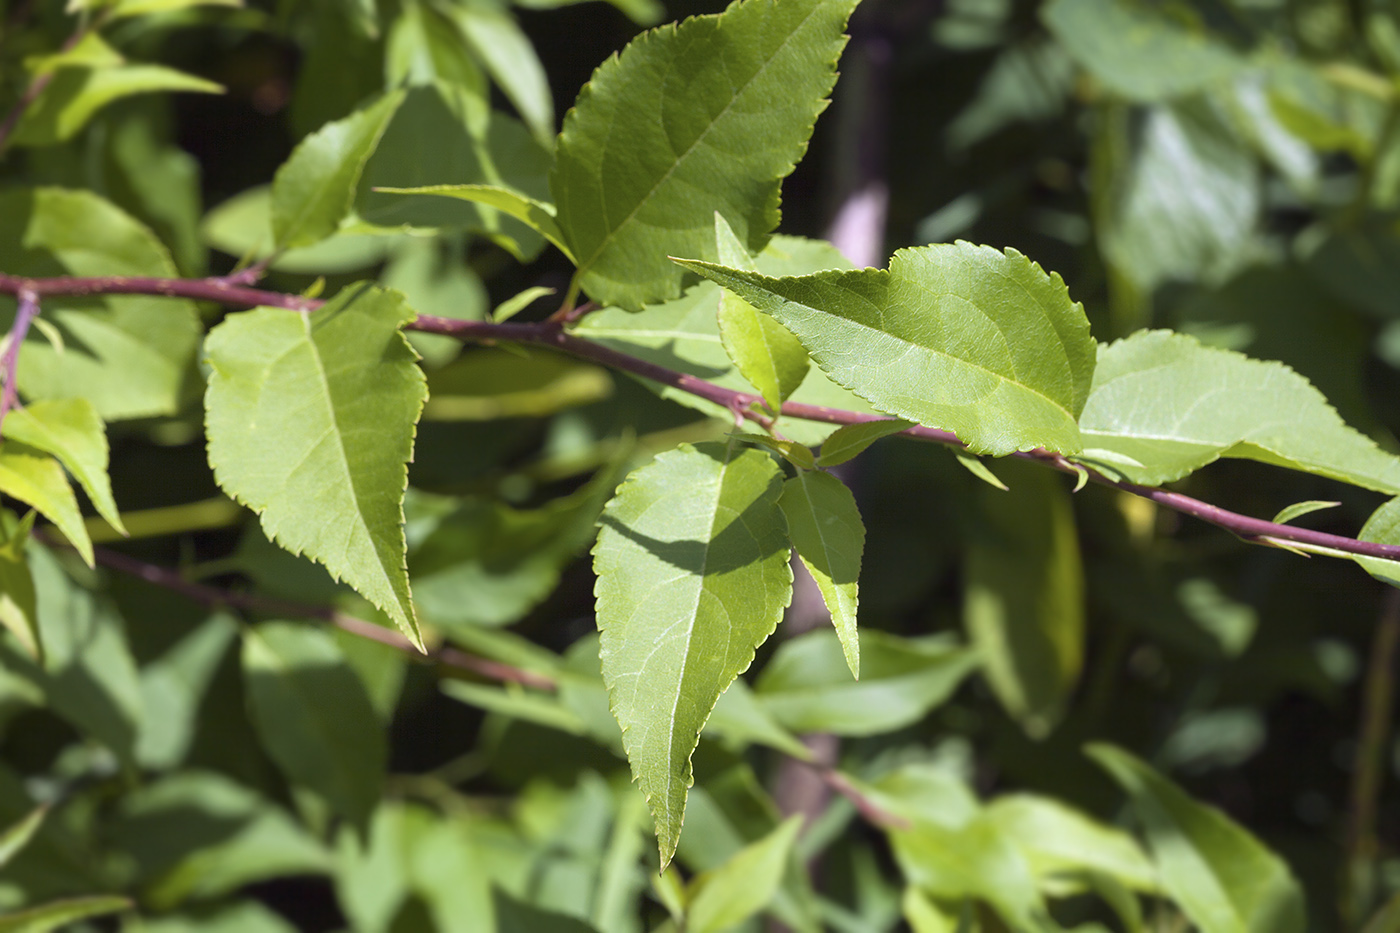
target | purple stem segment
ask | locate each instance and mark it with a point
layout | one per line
(552, 334)
(9, 364)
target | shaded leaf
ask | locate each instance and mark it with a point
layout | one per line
(825, 527)
(692, 578)
(36, 479)
(1024, 595)
(18, 601)
(708, 115)
(310, 420)
(1173, 406)
(850, 441)
(799, 455)
(16, 837)
(954, 336)
(1299, 509)
(977, 468)
(58, 914)
(1223, 879)
(501, 46)
(740, 718)
(173, 687)
(314, 189)
(767, 355)
(537, 214)
(1059, 841)
(313, 716)
(807, 685)
(71, 430)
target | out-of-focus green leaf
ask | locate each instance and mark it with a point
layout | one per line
(767, 355)
(78, 92)
(173, 686)
(1185, 201)
(35, 478)
(688, 120)
(1141, 50)
(315, 188)
(16, 837)
(242, 227)
(505, 51)
(199, 835)
(1383, 527)
(825, 527)
(726, 896)
(478, 561)
(423, 46)
(19, 610)
(314, 716)
(487, 384)
(517, 703)
(1223, 878)
(954, 336)
(71, 430)
(62, 913)
(739, 717)
(131, 356)
(684, 335)
(125, 8)
(1059, 841)
(310, 423)
(1024, 595)
(979, 469)
(247, 916)
(850, 441)
(692, 578)
(523, 208)
(807, 685)
(1172, 405)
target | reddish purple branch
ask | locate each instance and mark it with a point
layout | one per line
(9, 364)
(552, 334)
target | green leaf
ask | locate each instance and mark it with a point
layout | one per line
(519, 302)
(1299, 509)
(724, 897)
(500, 45)
(1383, 527)
(72, 431)
(173, 687)
(1024, 595)
(1140, 50)
(1059, 841)
(799, 455)
(705, 116)
(18, 603)
(825, 527)
(314, 716)
(1173, 405)
(131, 356)
(242, 227)
(76, 94)
(423, 47)
(58, 914)
(16, 837)
(36, 478)
(739, 717)
(537, 214)
(515, 702)
(1223, 879)
(850, 441)
(692, 564)
(310, 423)
(954, 336)
(808, 688)
(315, 188)
(684, 335)
(766, 353)
(977, 468)
(124, 8)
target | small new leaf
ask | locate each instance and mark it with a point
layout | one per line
(852, 440)
(825, 527)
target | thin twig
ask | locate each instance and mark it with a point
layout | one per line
(9, 363)
(740, 404)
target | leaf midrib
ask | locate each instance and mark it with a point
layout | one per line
(585, 265)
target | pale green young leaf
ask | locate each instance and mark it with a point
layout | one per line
(90, 51)
(242, 227)
(766, 353)
(124, 8)
(15, 838)
(807, 686)
(514, 702)
(954, 336)
(708, 115)
(977, 468)
(1060, 841)
(500, 45)
(724, 897)
(1172, 405)
(740, 718)
(315, 188)
(1023, 602)
(693, 575)
(310, 419)
(1139, 50)
(131, 356)
(19, 605)
(850, 441)
(1383, 527)
(35, 478)
(75, 95)
(523, 208)
(519, 302)
(314, 716)
(1299, 509)
(825, 527)
(58, 914)
(1220, 876)
(72, 431)
(799, 455)
(684, 335)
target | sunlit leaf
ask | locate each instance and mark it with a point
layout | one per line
(726, 896)
(71, 430)
(825, 527)
(851, 441)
